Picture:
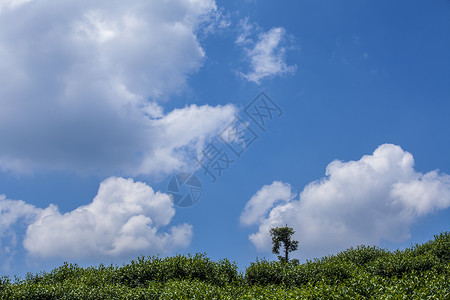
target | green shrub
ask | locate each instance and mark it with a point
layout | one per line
(264, 272)
(362, 255)
(439, 247)
(421, 272)
(330, 270)
(400, 262)
(199, 267)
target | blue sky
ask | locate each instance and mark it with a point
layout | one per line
(103, 102)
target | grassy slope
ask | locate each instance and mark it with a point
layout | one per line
(422, 271)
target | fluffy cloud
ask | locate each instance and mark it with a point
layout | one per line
(181, 132)
(80, 81)
(11, 213)
(13, 210)
(125, 218)
(264, 200)
(267, 57)
(358, 202)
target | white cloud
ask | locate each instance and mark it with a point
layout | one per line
(267, 57)
(181, 132)
(77, 79)
(12, 4)
(256, 208)
(12, 212)
(125, 218)
(423, 195)
(358, 202)
(247, 29)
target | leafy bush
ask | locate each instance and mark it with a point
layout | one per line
(439, 247)
(263, 272)
(329, 269)
(400, 262)
(421, 272)
(199, 267)
(362, 255)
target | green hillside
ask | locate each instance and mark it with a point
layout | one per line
(419, 272)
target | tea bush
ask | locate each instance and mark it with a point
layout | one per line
(199, 267)
(420, 272)
(362, 255)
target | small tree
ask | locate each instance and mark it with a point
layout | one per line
(283, 235)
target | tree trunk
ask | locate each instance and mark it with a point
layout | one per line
(286, 253)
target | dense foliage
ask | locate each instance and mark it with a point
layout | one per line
(283, 235)
(419, 272)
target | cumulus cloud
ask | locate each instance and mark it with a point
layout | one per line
(358, 202)
(257, 207)
(181, 132)
(125, 218)
(12, 212)
(83, 81)
(268, 55)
